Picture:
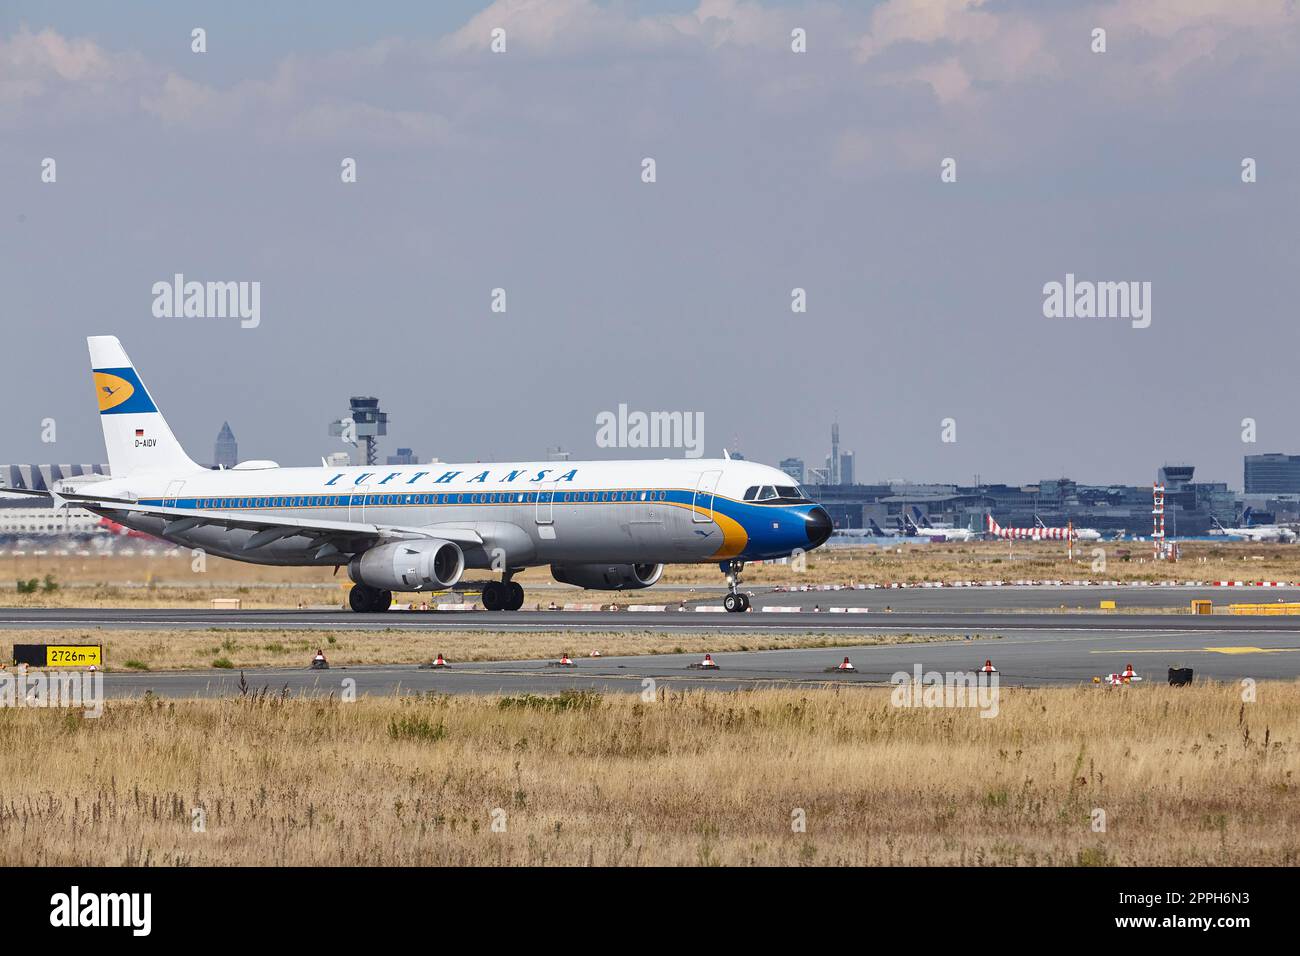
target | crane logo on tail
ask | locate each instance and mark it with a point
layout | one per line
(119, 391)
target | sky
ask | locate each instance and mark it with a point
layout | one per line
(774, 170)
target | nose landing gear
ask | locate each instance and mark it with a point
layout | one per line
(736, 600)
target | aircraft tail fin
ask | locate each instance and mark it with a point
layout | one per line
(136, 435)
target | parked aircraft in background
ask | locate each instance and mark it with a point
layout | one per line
(1257, 532)
(921, 526)
(1080, 534)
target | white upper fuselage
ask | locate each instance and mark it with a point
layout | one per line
(593, 511)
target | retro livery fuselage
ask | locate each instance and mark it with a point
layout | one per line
(652, 512)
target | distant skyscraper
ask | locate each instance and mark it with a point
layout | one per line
(833, 463)
(793, 467)
(226, 453)
(404, 456)
(846, 468)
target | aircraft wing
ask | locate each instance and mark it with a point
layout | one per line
(268, 528)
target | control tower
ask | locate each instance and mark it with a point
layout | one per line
(364, 424)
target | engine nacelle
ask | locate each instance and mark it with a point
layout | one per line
(608, 577)
(419, 565)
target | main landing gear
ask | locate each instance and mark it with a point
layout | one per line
(736, 600)
(366, 600)
(503, 595)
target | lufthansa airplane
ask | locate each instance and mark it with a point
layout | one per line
(608, 525)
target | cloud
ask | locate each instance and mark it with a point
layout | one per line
(49, 78)
(962, 66)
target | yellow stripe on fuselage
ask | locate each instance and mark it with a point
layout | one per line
(734, 535)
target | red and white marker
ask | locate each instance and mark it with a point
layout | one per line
(847, 665)
(988, 668)
(708, 661)
(594, 654)
(439, 661)
(565, 661)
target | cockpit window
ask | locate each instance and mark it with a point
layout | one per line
(770, 493)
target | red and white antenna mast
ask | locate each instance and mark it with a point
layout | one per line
(1158, 546)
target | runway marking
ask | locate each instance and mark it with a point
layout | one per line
(1251, 650)
(1204, 650)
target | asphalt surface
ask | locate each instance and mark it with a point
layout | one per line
(1034, 643)
(1030, 657)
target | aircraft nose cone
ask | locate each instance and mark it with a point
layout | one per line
(818, 527)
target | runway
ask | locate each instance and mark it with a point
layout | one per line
(1031, 641)
(930, 609)
(1031, 657)
(823, 622)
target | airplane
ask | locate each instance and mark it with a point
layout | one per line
(1038, 532)
(1080, 534)
(921, 526)
(609, 525)
(872, 530)
(879, 532)
(1257, 532)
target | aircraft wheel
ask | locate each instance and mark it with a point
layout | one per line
(495, 596)
(744, 601)
(732, 602)
(515, 597)
(367, 600)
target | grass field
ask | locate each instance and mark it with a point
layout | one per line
(1184, 776)
(234, 648)
(171, 581)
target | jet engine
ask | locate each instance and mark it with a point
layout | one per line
(418, 565)
(608, 577)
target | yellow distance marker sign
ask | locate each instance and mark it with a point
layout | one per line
(73, 655)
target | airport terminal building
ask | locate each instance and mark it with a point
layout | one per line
(1191, 507)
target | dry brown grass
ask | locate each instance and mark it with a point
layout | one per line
(1186, 777)
(188, 649)
(116, 581)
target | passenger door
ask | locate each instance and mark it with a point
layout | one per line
(544, 514)
(173, 492)
(703, 499)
